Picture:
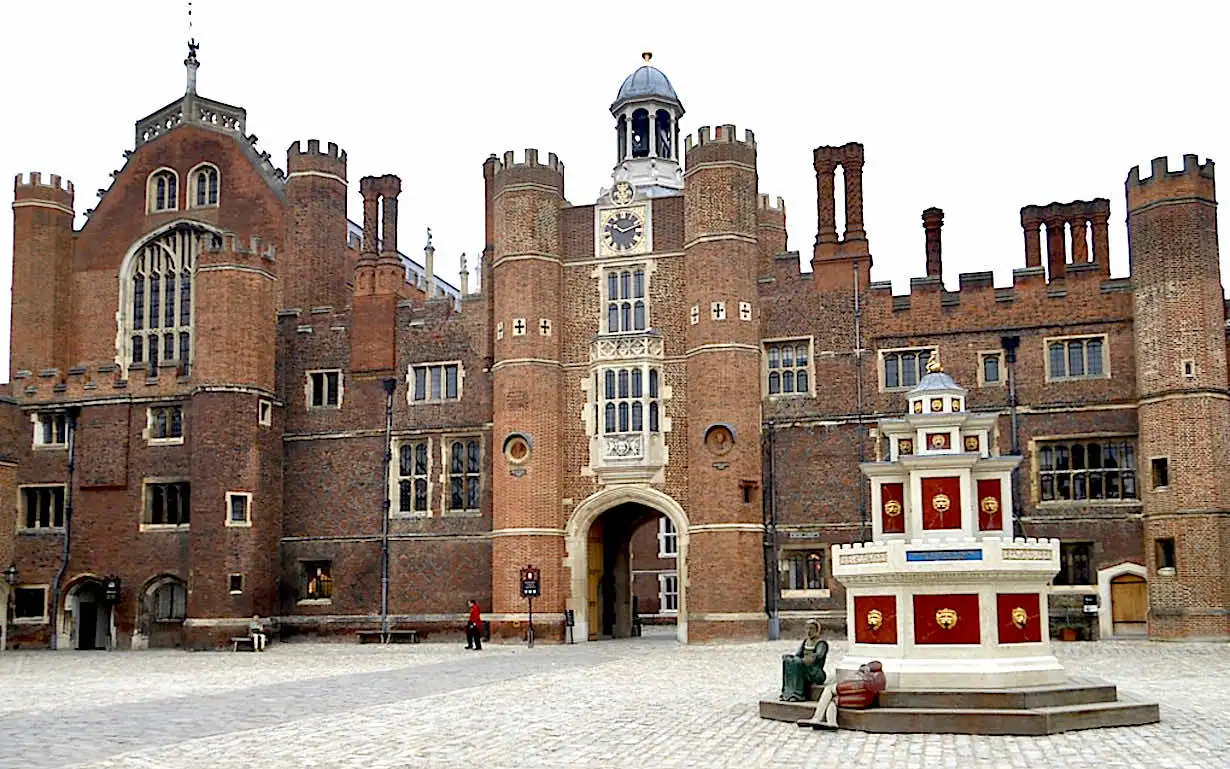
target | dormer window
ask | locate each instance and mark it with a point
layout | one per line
(163, 192)
(204, 186)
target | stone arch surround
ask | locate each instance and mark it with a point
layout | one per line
(577, 557)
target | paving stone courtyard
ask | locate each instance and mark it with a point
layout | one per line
(645, 702)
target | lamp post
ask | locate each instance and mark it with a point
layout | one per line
(390, 387)
(10, 578)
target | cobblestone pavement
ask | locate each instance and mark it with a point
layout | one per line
(638, 703)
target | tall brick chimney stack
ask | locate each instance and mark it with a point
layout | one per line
(390, 188)
(933, 220)
(369, 187)
(390, 275)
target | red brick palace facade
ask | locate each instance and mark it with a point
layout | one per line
(223, 392)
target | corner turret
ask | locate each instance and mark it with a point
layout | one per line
(314, 267)
(43, 241)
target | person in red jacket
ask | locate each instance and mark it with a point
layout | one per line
(474, 628)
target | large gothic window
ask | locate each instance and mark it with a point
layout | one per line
(156, 308)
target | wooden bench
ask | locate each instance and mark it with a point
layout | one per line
(394, 636)
(243, 640)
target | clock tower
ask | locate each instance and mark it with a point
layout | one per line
(647, 112)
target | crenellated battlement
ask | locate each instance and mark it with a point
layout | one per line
(32, 187)
(230, 244)
(935, 540)
(765, 203)
(313, 161)
(530, 170)
(723, 134)
(107, 380)
(529, 160)
(1195, 180)
(1085, 294)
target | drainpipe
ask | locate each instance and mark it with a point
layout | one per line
(772, 593)
(73, 413)
(863, 513)
(1010, 345)
(390, 386)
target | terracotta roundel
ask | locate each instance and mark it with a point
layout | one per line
(517, 449)
(719, 439)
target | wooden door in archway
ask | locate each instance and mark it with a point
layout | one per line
(1129, 605)
(594, 559)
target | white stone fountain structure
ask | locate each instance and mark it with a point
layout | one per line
(952, 605)
(943, 595)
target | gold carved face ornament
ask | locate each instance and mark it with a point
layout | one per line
(875, 619)
(990, 505)
(892, 508)
(941, 503)
(1020, 617)
(946, 618)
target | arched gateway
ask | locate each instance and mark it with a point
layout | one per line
(597, 540)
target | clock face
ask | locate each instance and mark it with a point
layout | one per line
(623, 230)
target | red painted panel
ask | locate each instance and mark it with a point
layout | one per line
(941, 503)
(864, 631)
(892, 508)
(990, 505)
(1010, 631)
(930, 609)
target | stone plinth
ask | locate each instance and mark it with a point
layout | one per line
(954, 613)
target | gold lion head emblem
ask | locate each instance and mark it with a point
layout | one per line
(941, 503)
(892, 508)
(875, 619)
(1020, 617)
(946, 618)
(990, 505)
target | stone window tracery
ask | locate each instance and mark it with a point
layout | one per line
(626, 310)
(412, 478)
(630, 400)
(464, 475)
(788, 367)
(204, 191)
(1076, 358)
(1099, 468)
(902, 369)
(163, 191)
(156, 310)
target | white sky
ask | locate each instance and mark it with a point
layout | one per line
(976, 108)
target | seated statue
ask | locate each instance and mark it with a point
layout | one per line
(806, 667)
